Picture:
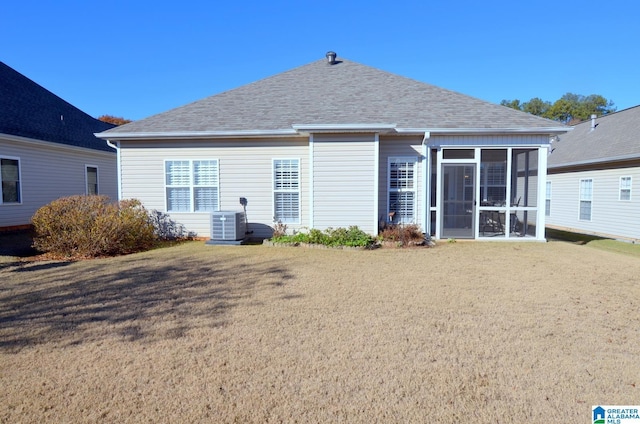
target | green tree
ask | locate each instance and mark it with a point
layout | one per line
(570, 108)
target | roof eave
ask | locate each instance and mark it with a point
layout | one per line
(485, 131)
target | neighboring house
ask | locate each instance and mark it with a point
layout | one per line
(47, 150)
(594, 176)
(335, 143)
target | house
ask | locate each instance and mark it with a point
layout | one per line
(335, 143)
(592, 171)
(47, 150)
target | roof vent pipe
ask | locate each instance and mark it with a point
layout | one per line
(331, 58)
(593, 122)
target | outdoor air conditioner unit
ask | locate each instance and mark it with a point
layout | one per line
(228, 226)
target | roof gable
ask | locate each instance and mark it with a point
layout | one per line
(29, 110)
(616, 137)
(340, 94)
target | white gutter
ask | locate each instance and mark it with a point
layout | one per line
(117, 147)
(342, 128)
(537, 130)
(195, 134)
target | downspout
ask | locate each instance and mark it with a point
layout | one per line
(426, 202)
(118, 173)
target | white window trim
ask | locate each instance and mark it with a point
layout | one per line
(274, 190)
(581, 199)
(621, 188)
(192, 186)
(86, 178)
(414, 189)
(19, 181)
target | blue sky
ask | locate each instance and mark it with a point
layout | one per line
(138, 58)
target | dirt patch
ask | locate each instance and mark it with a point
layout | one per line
(463, 332)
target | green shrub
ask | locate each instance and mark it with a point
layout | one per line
(352, 236)
(90, 226)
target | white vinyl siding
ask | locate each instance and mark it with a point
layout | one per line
(192, 185)
(547, 199)
(401, 204)
(92, 179)
(586, 197)
(40, 183)
(10, 180)
(286, 191)
(625, 188)
(345, 182)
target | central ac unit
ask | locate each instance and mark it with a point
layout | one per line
(228, 226)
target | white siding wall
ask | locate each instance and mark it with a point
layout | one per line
(245, 171)
(609, 216)
(400, 147)
(49, 171)
(345, 182)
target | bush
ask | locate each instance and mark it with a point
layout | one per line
(90, 226)
(167, 229)
(404, 235)
(352, 236)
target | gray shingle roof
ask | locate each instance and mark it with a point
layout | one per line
(616, 137)
(29, 110)
(344, 93)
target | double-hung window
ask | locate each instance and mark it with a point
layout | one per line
(92, 179)
(10, 179)
(402, 190)
(586, 197)
(192, 185)
(286, 190)
(625, 188)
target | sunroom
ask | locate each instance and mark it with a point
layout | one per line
(489, 192)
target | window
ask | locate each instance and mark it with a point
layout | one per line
(10, 178)
(402, 190)
(547, 200)
(192, 185)
(625, 188)
(586, 195)
(286, 190)
(92, 180)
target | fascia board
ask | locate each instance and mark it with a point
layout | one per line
(195, 134)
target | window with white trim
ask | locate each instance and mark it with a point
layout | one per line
(586, 197)
(547, 199)
(91, 176)
(625, 188)
(10, 180)
(401, 201)
(192, 185)
(286, 190)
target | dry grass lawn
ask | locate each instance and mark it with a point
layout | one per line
(464, 332)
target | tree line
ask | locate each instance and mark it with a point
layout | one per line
(568, 109)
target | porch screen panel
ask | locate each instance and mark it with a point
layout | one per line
(402, 190)
(286, 190)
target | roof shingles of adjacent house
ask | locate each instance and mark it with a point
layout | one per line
(340, 94)
(29, 110)
(615, 138)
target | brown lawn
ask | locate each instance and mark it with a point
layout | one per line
(464, 332)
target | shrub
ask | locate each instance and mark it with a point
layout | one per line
(166, 228)
(404, 235)
(352, 236)
(90, 226)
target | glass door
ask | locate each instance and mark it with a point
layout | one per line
(458, 202)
